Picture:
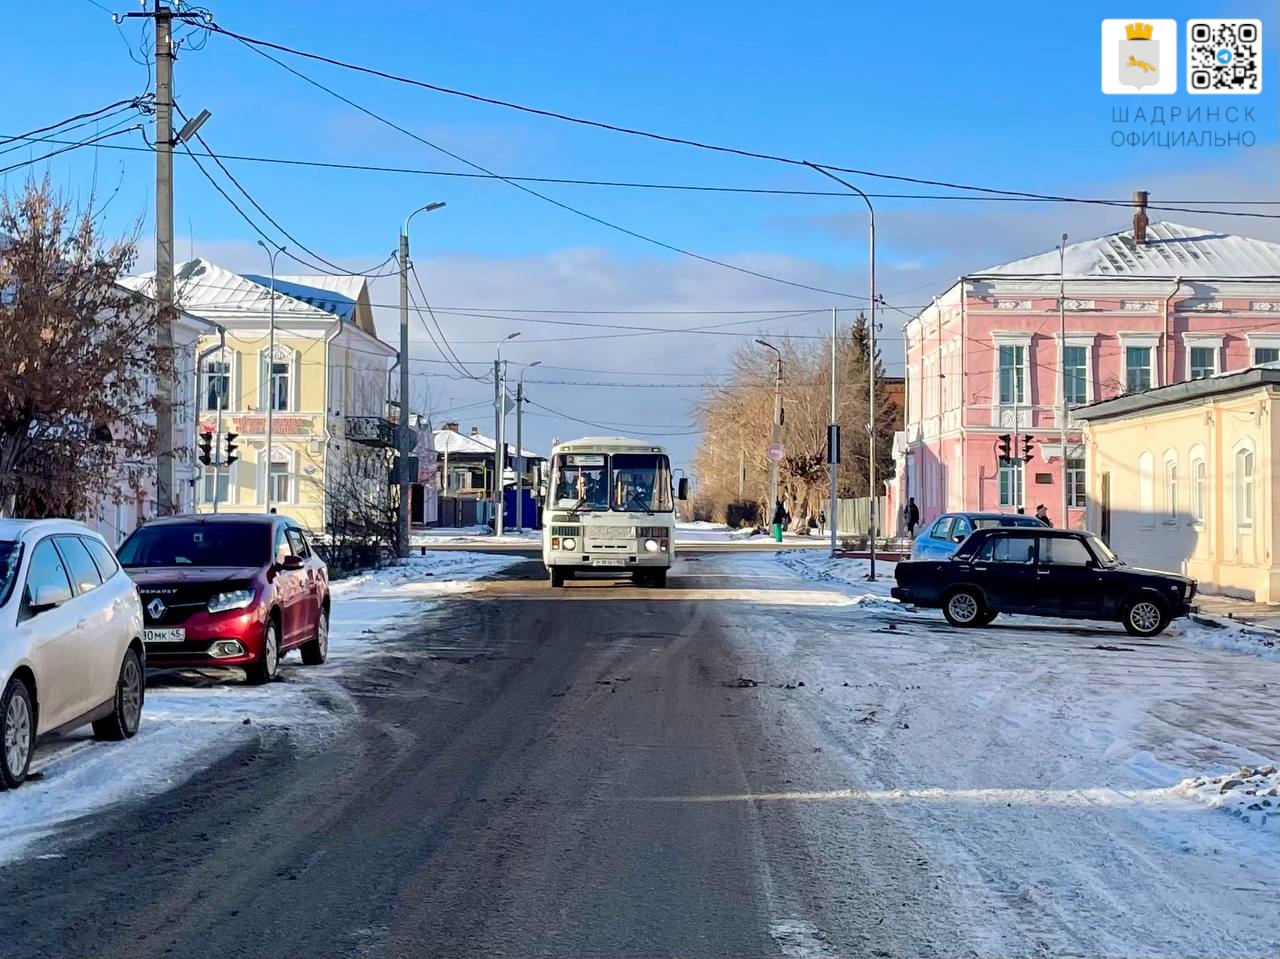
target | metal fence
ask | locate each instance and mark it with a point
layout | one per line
(853, 517)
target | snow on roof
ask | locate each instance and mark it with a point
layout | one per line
(205, 288)
(1172, 249)
(474, 444)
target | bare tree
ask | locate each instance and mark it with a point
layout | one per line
(78, 361)
(736, 418)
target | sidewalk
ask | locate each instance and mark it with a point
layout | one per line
(1241, 610)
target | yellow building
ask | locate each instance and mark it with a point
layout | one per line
(1183, 478)
(296, 400)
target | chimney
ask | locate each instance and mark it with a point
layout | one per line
(451, 427)
(1140, 217)
(475, 431)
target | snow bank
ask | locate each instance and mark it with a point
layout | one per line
(473, 534)
(850, 574)
(192, 718)
(1250, 793)
(1219, 632)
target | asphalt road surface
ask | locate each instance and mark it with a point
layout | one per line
(505, 791)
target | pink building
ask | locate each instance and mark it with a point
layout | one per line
(1154, 305)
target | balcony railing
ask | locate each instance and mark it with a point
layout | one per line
(371, 431)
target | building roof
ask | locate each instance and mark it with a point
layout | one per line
(207, 289)
(1172, 250)
(476, 444)
(1134, 403)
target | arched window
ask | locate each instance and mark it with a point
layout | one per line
(1170, 486)
(1199, 483)
(215, 379)
(1244, 486)
(1146, 488)
(277, 378)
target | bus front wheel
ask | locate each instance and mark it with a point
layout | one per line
(557, 577)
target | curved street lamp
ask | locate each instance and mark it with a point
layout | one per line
(270, 371)
(777, 425)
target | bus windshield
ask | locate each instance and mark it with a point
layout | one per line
(641, 481)
(580, 481)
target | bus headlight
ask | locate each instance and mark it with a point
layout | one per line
(651, 545)
(568, 543)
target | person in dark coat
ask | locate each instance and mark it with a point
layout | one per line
(822, 521)
(911, 512)
(1042, 515)
(780, 519)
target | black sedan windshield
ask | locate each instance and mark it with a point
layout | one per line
(198, 544)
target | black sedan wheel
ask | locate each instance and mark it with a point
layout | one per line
(1145, 617)
(964, 607)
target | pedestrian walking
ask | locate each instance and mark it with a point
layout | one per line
(779, 520)
(822, 522)
(911, 513)
(1021, 511)
(1042, 515)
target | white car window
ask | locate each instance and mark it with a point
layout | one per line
(46, 570)
(102, 557)
(1063, 551)
(84, 574)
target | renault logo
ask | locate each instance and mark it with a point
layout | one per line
(156, 608)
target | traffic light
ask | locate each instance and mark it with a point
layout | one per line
(1005, 447)
(231, 456)
(206, 449)
(1027, 455)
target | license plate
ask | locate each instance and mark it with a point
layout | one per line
(608, 562)
(164, 635)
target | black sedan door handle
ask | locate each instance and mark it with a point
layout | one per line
(1042, 572)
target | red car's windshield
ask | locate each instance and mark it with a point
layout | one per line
(198, 544)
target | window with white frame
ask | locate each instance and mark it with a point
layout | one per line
(1010, 477)
(1199, 487)
(277, 378)
(1170, 488)
(1137, 368)
(1075, 374)
(1266, 354)
(215, 380)
(279, 477)
(1075, 482)
(1013, 385)
(216, 481)
(1244, 487)
(1202, 361)
(1146, 488)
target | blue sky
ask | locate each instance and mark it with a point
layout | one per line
(1007, 97)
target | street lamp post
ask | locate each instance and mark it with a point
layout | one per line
(402, 427)
(520, 445)
(270, 370)
(777, 426)
(499, 441)
(871, 390)
(1062, 370)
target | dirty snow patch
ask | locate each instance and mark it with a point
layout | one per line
(1252, 794)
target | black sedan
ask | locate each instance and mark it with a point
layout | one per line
(1047, 572)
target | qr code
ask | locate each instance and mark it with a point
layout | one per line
(1224, 56)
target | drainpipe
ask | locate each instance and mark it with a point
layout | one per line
(960, 409)
(328, 434)
(1168, 333)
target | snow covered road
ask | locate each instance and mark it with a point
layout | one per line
(1037, 760)
(193, 718)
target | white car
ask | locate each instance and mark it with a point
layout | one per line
(70, 639)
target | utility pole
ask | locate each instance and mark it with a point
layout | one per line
(871, 378)
(270, 372)
(499, 440)
(166, 435)
(403, 434)
(520, 446)
(1062, 370)
(777, 425)
(833, 441)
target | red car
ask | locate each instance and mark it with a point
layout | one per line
(230, 590)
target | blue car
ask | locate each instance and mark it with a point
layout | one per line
(949, 530)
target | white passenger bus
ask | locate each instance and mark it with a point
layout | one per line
(610, 509)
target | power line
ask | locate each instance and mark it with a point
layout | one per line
(1206, 207)
(109, 108)
(542, 196)
(444, 339)
(648, 134)
(67, 149)
(270, 219)
(653, 430)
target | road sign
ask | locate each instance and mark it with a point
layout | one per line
(776, 452)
